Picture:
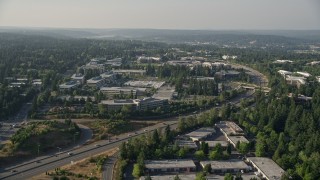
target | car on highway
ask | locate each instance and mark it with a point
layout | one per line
(145, 130)
(97, 145)
(129, 134)
(70, 153)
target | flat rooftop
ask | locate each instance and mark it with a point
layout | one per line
(214, 143)
(169, 177)
(122, 89)
(68, 84)
(271, 169)
(229, 127)
(77, 76)
(226, 164)
(166, 164)
(235, 139)
(119, 101)
(95, 79)
(149, 84)
(184, 143)
(129, 70)
(165, 92)
(201, 133)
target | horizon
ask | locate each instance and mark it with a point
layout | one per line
(79, 28)
(164, 15)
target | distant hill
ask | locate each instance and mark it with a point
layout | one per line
(238, 38)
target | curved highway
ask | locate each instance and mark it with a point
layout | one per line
(42, 164)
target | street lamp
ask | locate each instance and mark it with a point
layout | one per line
(38, 149)
(59, 149)
(74, 137)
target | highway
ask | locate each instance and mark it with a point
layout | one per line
(42, 164)
(45, 163)
(107, 172)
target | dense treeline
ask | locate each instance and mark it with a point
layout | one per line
(52, 60)
(286, 129)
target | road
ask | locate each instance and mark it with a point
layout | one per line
(107, 172)
(261, 79)
(45, 163)
(6, 131)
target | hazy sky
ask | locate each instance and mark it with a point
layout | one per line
(163, 14)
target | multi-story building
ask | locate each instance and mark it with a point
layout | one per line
(135, 104)
(130, 72)
(116, 105)
(224, 166)
(266, 167)
(128, 91)
(201, 133)
(116, 62)
(144, 59)
(68, 85)
(151, 103)
(96, 82)
(79, 78)
(108, 76)
(174, 165)
(94, 64)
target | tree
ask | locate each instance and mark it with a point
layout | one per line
(182, 152)
(204, 147)
(244, 148)
(182, 126)
(201, 176)
(148, 177)
(207, 168)
(123, 151)
(199, 155)
(177, 177)
(238, 177)
(156, 138)
(167, 136)
(137, 171)
(228, 176)
(229, 148)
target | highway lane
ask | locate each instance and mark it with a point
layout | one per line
(49, 162)
(107, 172)
(53, 161)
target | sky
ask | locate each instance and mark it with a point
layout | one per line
(163, 14)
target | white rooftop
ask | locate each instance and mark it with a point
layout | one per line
(77, 76)
(94, 80)
(266, 165)
(235, 139)
(122, 89)
(201, 133)
(174, 163)
(154, 84)
(184, 143)
(129, 70)
(171, 177)
(226, 164)
(214, 143)
(305, 74)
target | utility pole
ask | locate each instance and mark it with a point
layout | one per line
(38, 149)
(59, 149)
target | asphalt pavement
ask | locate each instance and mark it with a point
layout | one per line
(107, 172)
(45, 163)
